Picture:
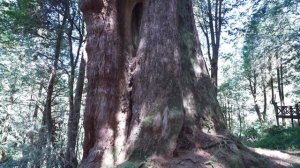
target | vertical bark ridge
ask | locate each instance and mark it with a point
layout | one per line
(202, 112)
(104, 73)
(156, 94)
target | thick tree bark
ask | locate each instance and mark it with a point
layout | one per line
(104, 74)
(153, 100)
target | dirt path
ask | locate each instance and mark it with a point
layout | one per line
(284, 158)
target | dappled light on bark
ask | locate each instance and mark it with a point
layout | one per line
(150, 100)
(149, 92)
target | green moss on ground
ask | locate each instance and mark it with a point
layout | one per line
(235, 161)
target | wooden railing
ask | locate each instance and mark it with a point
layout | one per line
(292, 112)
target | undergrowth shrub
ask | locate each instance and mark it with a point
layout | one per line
(277, 137)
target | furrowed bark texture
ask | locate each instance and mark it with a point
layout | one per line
(149, 92)
(104, 72)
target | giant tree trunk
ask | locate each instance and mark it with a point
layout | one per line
(149, 93)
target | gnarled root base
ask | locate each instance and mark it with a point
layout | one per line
(222, 152)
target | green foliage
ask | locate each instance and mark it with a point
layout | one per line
(270, 38)
(27, 45)
(21, 16)
(235, 161)
(251, 134)
(261, 45)
(278, 138)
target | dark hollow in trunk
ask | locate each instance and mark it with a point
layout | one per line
(136, 23)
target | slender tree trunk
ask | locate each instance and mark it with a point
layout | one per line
(240, 121)
(253, 87)
(272, 91)
(280, 80)
(72, 72)
(51, 82)
(211, 26)
(225, 114)
(214, 72)
(230, 117)
(74, 102)
(264, 113)
(36, 108)
(213, 37)
(47, 114)
(74, 116)
(281, 83)
(274, 101)
(239, 116)
(156, 100)
(280, 87)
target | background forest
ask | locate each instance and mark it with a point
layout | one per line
(250, 47)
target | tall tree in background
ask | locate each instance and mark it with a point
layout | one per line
(75, 24)
(45, 39)
(50, 87)
(253, 73)
(266, 53)
(210, 15)
(149, 92)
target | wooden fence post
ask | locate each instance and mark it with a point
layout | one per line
(298, 113)
(276, 111)
(291, 113)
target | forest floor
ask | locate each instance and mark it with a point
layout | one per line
(204, 159)
(283, 157)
